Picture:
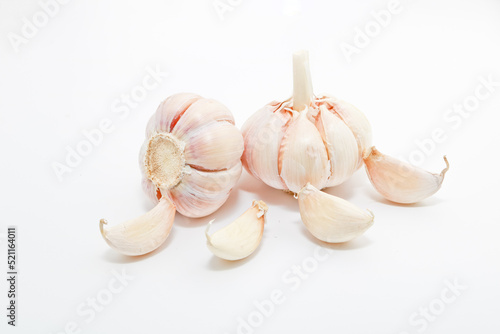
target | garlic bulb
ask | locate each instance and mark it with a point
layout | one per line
(304, 139)
(141, 235)
(191, 154)
(240, 238)
(399, 181)
(190, 161)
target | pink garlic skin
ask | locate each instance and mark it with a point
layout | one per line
(344, 130)
(213, 149)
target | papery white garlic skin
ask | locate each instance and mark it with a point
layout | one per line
(399, 181)
(320, 140)
(191, 154)
(240, 238)
(330, 218)
(141, 235)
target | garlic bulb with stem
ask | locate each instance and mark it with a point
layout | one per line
(305, 138)
(399, 181)
(240, 238)
(190, 161)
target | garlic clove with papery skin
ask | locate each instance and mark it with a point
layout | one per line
(263, 134)
(330, 218)
(341, 146)
(399, 181)
(304, 158)
(201, 191)
(141, 235)
(240, 238)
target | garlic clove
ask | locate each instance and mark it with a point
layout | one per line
(200, 113)
(240, 238)
(201, 193)
(169, 112)
(262, 145)
(332, 219)
(341, 145)
(399, 181)
(303, 156)
(141, 235)
(214, 146)
(356, 121)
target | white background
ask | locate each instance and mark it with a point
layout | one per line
(65, 79)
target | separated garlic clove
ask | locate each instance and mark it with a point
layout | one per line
(240, 238)
(332, 219)
(141, 235)
(399, 181)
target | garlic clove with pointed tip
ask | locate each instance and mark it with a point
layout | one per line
(240, 238)
(141, 235)
(330, 218)
(399, 181)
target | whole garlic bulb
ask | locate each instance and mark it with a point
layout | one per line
(191, 154)
(305, 139)
(190, 161)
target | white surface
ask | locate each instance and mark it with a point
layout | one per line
(67, 77)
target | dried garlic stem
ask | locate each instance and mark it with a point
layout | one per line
(302, 83)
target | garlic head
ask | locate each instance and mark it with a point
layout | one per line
(191, 154)
(306, 138)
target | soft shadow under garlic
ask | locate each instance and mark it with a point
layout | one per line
(269, 195)
(357, 243)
